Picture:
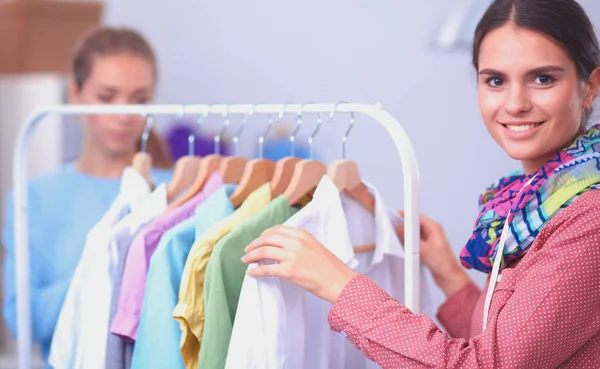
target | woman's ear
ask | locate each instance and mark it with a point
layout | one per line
(73, 92)
(592, 89)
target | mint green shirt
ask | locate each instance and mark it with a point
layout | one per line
(224, 277)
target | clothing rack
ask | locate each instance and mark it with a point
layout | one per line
(392, 126)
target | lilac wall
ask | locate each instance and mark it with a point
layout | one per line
(364, 51)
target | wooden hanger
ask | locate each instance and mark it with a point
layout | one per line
(208, 165)
(142, 161)
(307, 175)
(346, 177)
(282, 175)
(232, 168)
(256, 173)
(184, 174)
(185, 170)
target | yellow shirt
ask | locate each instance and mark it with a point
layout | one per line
(189, 311)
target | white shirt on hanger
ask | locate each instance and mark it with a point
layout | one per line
(80, 336)
(278, 325)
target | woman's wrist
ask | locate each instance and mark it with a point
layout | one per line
(338, 285)
(452, 280)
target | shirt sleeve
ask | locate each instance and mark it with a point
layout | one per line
(550, 311)
(455, 314)
(45, 305)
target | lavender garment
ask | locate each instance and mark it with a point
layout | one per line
(131, 297)
(178, 134)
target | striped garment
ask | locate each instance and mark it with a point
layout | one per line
(530, 201)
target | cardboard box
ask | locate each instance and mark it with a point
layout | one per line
(38, 36)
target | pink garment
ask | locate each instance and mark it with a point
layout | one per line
(545, 312)
(131, 298)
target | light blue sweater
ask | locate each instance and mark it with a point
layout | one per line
(63, 207)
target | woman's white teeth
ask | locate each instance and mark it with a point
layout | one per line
(522, 128)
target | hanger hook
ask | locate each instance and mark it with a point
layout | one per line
(192, 137)
(236, 136)
(261, 139)
(345, 138)
(149, 124)
(298, 124)
(311, 138)
(217, 138)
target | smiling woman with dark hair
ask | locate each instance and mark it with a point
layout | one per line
(538, 231)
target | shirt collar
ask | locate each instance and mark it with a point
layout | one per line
(327, 205)
(383, 231)
(147, 209)
(133, 187)
(386, 222)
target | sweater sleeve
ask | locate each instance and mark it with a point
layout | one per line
(43, 295)
(538, 319)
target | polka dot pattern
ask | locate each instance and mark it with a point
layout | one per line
(545, 311)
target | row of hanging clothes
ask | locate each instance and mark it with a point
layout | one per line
(160, 283)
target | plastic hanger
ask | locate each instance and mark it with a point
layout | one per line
(232, 167)
(346, 177)
(142, 161)
(256, 173)
(208, 165)
(185, 170)
(307, 173)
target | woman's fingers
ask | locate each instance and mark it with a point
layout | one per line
(266, 253)
(268, 270)
(284, 230)
(274, 239)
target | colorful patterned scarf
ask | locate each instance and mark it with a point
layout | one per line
(574, 170)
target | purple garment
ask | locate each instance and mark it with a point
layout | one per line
(178, 135)
(131, 298)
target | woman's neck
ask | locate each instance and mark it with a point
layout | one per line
(95, 163)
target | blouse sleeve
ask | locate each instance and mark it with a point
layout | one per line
(549, 313)
(455, 314)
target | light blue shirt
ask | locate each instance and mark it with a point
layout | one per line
(157, 344)
(63, 207)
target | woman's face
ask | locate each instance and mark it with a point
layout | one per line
(530, 96)
(116, 79)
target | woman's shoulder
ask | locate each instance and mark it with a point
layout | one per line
(63, 174)
(578, 221)
(585, 206)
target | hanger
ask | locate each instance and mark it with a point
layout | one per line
(142, 161)
(232, 167)
(185, 170)
(284, 168)
(256, 172)
(208, 165)
(346, 177)
(307, 173)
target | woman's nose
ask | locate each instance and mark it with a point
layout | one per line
(517, 101)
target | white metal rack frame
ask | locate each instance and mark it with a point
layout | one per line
(392, 126)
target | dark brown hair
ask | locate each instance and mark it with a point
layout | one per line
(564, 21)
(110, 41)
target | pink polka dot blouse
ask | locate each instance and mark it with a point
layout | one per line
(545, 311)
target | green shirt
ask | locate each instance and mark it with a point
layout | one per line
(224, 277)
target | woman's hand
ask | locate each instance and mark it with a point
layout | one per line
(437, 255)
(301, 259)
